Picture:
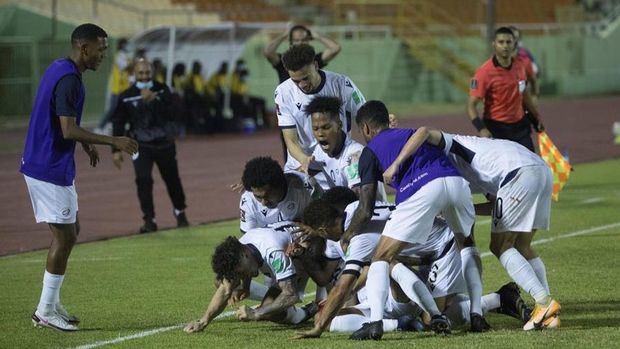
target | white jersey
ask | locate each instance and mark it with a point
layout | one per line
(253, 214)
(291, 101)
(362, 246)
(485, 162)
(342, 170)
(269, 245)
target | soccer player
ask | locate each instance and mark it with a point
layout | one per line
(336, 156)
(307, 82)
(49, 167)
(426, 185)
(271, 195)
(236, 261)
(521, 183)
(501, 83)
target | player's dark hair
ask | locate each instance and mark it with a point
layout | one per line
(374, 113)
(504, 30)
(339, 196)
(87, 32)
(225, 259)
(326, 105)
(320, 213)
(261, 171)
(297, 57)
(298, 27)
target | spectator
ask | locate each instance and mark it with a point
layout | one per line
(242, 103)
(216, 88)
(197, 101)
(146, 107)
(159, 71)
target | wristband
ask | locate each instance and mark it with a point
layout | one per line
(478, 123)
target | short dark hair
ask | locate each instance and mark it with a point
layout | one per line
(326, 105)
(87, 32)
(225, 259)
(261, 171)
(297, 57)
(340, 196)
(374, 113)
(504, 30)
(298, 27)
(320, 213)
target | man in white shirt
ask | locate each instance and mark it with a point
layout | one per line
(306, 82)
(271, 195)
(336, 156)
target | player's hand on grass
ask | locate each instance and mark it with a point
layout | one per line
(117, 159)
(485, 133)
(389, 174)
(195, 326)
(313, 333)
(92, 153)
(245, 313)
(125, 144)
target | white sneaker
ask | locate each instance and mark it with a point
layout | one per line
(52, 320)
(72, 319)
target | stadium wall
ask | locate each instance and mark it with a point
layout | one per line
(572, 64)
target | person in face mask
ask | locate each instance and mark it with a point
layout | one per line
(147, 108)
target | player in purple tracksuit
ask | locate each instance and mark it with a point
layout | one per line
(426, 185)
(48, 165)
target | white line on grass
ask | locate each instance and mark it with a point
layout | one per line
(591, 200)
(229, 313)
(153, 331)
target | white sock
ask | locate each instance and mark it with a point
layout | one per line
(541, 272)
(320, 293)
(472, 270)
(50, 294)
(523, 274)
(490, 302)
(294, 315)
(353, 322)
(257, 291)
(378, 286)
(459, 309)
(414, 288)
(177, 212)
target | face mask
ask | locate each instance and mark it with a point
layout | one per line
(144, 85)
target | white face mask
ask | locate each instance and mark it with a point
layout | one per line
(144, 85)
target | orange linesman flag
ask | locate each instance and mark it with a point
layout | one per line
(560, 167)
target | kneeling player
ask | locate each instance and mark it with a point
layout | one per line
(236, 262)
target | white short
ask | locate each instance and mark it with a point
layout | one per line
(444, 275)
(413, 218)
(392, 310)
(52, 203)
(524, 203)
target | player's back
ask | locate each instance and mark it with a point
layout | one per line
(490, 159)
(425, 165)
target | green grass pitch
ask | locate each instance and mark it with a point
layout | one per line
(147, 286)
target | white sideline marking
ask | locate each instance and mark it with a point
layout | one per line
(229, 313)
(75, 260)
(591, 201)
(153, 331)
